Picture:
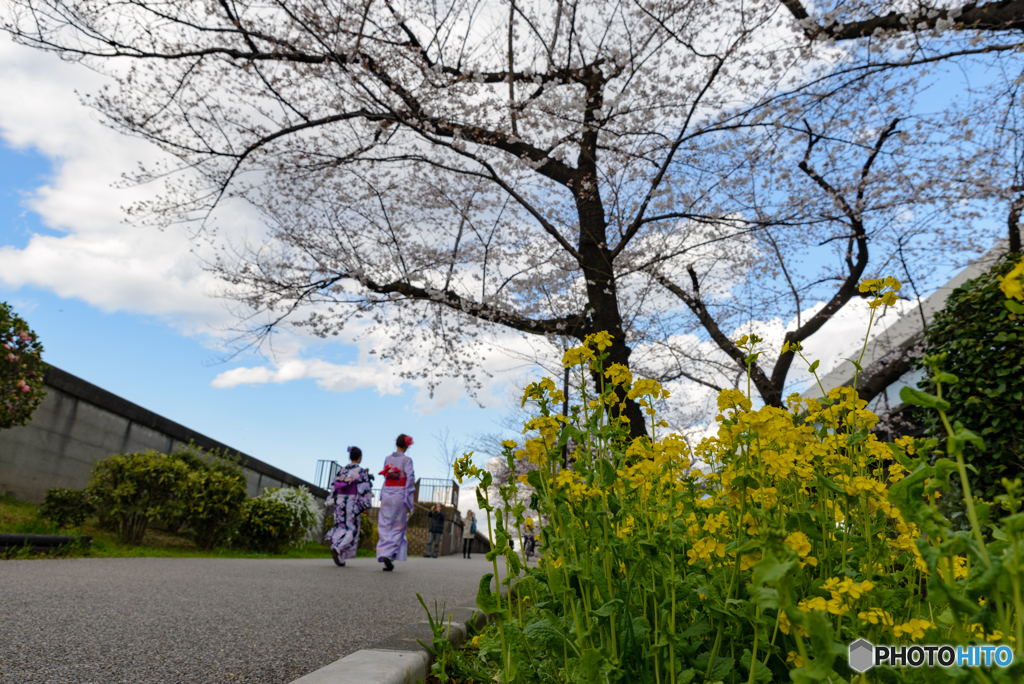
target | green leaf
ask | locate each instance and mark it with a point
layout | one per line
(962, 436)
(721, 668)
(762, 674)
(748, 481)
(651, 548)
(856, 365)
(699, 629)
(1014, 307)
(764, 597)
(592, 660)
(940, 480)
(485, 599)
(823, 644)
(607, 609)
(640, 627)
(545, 636)
(907, 495)
(813, 367)
(909, 395)
(829, 484)
(556, 582)
(769, 570)
(686, 676)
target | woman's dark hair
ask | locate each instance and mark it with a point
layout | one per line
(403, 441)
(354, 453)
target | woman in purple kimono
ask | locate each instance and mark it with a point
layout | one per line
(351, 494)
(396, 503)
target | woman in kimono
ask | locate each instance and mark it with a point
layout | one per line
(396, 503)
(351, 494)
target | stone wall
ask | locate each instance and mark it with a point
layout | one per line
(78, 424)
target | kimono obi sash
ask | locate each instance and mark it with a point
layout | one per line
(347, 489)
(393, 477)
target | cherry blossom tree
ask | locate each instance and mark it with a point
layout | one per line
(860, 19)
(438, 174)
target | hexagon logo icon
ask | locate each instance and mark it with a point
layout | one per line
(862, 655)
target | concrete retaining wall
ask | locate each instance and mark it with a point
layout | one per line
(78, 424)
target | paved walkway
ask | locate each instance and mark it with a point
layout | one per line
(178, 620)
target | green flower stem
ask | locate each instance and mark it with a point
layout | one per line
(775, 633)
(968, 498)
(753, 650)
(506, 654)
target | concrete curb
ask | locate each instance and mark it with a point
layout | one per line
(398, 659)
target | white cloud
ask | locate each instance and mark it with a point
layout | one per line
(96, 257)
(329, 376)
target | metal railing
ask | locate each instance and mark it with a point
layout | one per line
(325, 472)
(434, 490)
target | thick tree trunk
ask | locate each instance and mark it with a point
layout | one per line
(1013, 224)
(604, 315)
(595, 256)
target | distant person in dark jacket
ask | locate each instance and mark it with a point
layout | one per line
(435, 531)
(467, 540)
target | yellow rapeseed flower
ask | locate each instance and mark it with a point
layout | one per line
(578, 356)
(1012, 284)
(619, 374)
(914, 629)
(876, 616)
(799, 542)
(601, 340)
(731, 398)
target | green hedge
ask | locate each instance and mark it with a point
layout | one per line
(983, 343)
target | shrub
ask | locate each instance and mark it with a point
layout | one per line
(983, 343)
(21, 369)
(799, 533)
(368, 536)
(130, 490)
(307, 512)
(197, 458)
(212, 502)
(67, 507)
(268, 525)
(186, 511)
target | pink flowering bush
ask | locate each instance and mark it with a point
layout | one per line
(21, 369)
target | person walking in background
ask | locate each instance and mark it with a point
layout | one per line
(529, 541)
(350, 495)
(435, 532)
(467, 541)
(396, 503)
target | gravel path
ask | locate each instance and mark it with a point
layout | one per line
(177, 620)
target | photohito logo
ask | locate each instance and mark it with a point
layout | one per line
(864, 655)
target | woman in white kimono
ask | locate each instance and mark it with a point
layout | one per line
(396, 503)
